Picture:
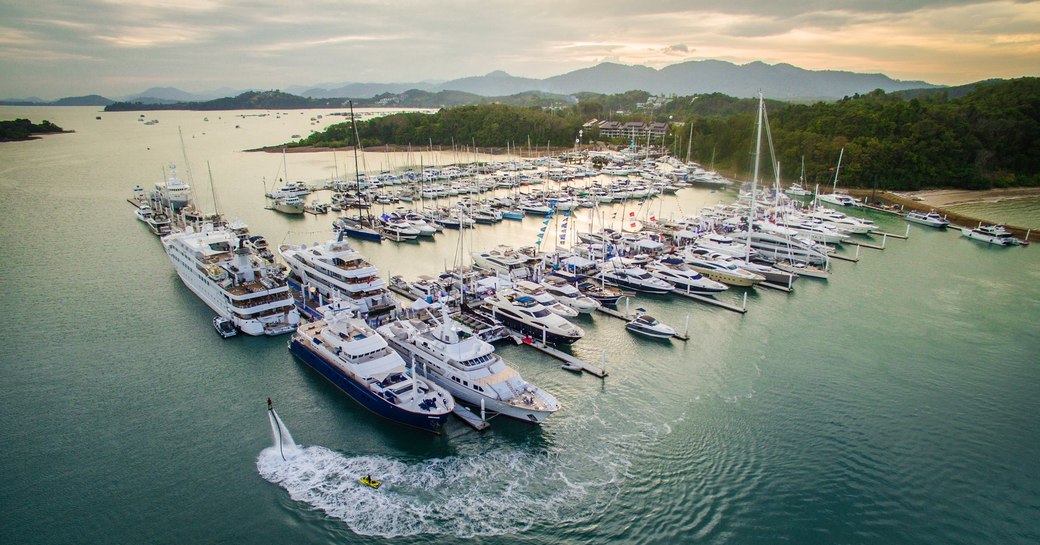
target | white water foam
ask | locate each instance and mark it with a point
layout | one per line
(488, 494)
(283, 441)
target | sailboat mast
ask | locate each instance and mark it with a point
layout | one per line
(838, 168)
(754, 175)
(357, 142)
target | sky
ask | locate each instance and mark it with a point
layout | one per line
(52, 49)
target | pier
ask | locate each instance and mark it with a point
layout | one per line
(466, 415)
(570, 361)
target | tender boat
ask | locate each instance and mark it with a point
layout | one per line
(224, 326)
(524, 314)
(647, 325)
(355, 358)
(468, 368)
(931, 219)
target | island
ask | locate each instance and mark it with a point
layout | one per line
(23, 129)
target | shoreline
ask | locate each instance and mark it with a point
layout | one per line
(397, 148)
(951, 197)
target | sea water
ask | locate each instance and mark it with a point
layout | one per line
(895, 403)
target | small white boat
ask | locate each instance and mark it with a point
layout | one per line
(931, 219)
(993, 234)
(644, 324)
(224, 326)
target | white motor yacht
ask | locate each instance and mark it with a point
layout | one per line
(993, 234)
(540, 294)
(569, 294)
(337, 271)
(685, 278)
(647, 325)
(468, 368)
(524, 314)
(232, 279)
(931, 219)
(720, 271)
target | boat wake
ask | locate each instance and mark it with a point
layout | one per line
(487, 494)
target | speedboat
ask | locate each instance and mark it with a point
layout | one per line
(685, 278)
(356, 359)
(224, 326)
(468, 368)
(523, 313)
(647, 325)
(931, 219)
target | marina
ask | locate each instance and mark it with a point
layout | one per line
(835, 393)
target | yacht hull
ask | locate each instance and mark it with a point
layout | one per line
(367, 399)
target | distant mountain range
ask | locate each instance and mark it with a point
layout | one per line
(778, 81)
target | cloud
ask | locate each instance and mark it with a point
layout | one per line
(265, 43)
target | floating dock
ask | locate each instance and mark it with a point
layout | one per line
(568, 359)
(713, 301)
(778, 287)
(467, 416)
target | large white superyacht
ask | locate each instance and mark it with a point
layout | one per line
(230, 277)
(468, 367)
(338, 271)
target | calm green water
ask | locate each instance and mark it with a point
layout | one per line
(1022, 212)
(896, 403)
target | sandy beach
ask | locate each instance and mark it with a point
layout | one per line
(939, 198)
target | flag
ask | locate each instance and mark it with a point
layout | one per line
(541, 229)
(566, 212)
(631, 214)
(653, 218)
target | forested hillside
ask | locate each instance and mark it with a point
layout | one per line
(989, 137)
